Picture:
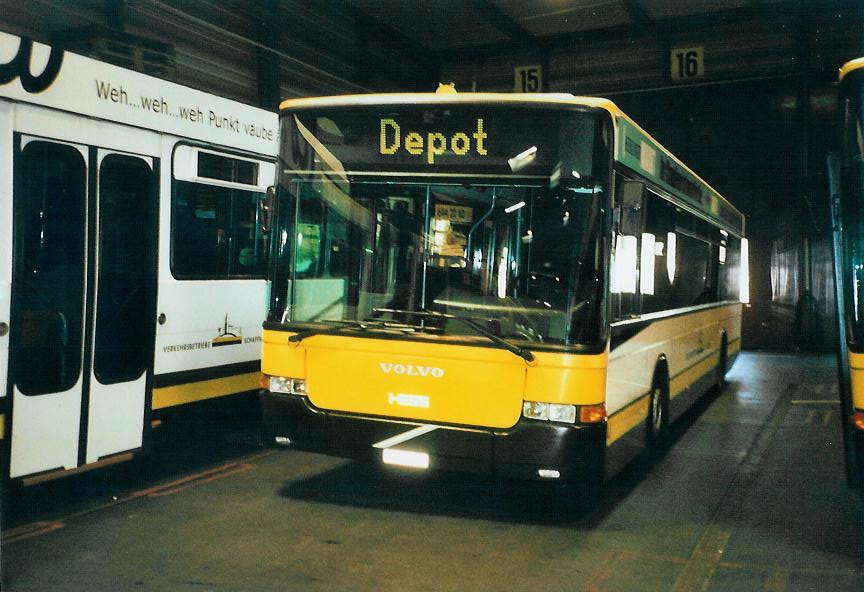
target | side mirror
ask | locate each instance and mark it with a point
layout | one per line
(631, 193)
(267, 207)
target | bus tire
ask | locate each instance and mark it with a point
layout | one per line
(722, 363)
(657, 428)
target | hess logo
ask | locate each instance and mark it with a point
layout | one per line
(411, 370)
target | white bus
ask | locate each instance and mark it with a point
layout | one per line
(133, 251)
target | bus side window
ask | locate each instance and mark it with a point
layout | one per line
(217, 226)
(692, 282)
(629, 213)
(660, 227)
(730, 264)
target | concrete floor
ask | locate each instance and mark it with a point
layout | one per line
(749, 496)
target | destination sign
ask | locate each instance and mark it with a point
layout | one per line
(433, 144)
(451, 139)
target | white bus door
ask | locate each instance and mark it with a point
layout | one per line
(83, 303)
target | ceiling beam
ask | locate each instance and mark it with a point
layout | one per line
(374, 28)
(638, 15)
(763, 12)
(503, 22)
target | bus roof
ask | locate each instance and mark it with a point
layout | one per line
(634, 147)
(851, 66)
(51, 77)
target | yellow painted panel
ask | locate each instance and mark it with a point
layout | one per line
(627, 419)
(856, 377)
(733, 347)
(482, 386)
(281, 357)
(575, 386)
(478, 385)
(181, 394)
(2, 427)
(686, 378)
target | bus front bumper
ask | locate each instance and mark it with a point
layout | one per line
(529, 450)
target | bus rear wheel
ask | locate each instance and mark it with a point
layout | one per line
(658, 409)
(720, 382)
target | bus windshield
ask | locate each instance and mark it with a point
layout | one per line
(517, 252)
(853, 205)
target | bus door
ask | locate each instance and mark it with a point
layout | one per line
(83, 303)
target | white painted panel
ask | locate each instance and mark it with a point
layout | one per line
(104, 91)
(196, 313)
(5, 292)
(66, 127)
(45, 431)
(116, 419)
(6, 113)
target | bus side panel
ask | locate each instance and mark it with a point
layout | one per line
(208, 324)
(690, 342)
(208, 344)
(5, 248)
(856, 377)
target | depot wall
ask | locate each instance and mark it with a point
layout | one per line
(757, 125)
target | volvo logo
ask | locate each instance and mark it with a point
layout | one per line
(411, 370)
(19, 67)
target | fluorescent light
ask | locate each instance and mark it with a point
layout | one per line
(624, 265)
(646, 271)
(502, 273)
(670, 256)
(514, 207)
(745, 271)
(522, 159)
(548, 473)
(406, 458)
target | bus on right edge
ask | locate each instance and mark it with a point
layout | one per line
(848, 206)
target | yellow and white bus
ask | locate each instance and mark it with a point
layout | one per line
(523, 285)
(132, 255)
(847, 206)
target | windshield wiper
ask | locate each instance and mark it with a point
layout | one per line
(345, 327)
(349, 326)
(511, 347)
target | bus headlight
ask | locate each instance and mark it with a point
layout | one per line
(288, 386)
(564, 413)
(549, 412)
(533, 410)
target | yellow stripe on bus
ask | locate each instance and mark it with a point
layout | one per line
(856, 378)
(684, 379)
(733, 348)
(2, 427)
(181, 394)
(626, 419)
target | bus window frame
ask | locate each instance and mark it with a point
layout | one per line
(231, 153)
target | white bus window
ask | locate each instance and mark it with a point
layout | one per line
(50, 235)
(126, 269)
(218, 228)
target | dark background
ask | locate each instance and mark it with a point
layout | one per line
(757, 126)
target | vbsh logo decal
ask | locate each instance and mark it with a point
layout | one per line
(228, 335)
(19, 67)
